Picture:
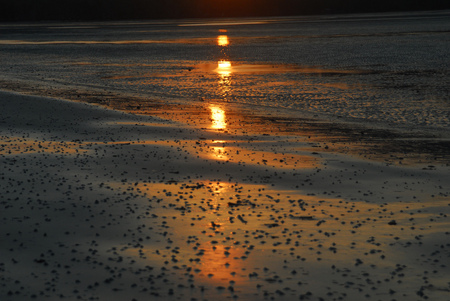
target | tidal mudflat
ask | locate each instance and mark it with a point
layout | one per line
(276, 159)
(100, 204)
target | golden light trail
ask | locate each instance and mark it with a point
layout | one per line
(224, 69)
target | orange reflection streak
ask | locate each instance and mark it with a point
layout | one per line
(224, 65)
(220, 188)
(219, 261)
(219, 153)
(220, 255)
(217, 150)
(224, 68)
(218, 118)
(222, 40)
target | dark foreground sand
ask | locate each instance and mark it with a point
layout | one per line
(97, 204)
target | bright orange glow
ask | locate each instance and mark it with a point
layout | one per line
(219, 261)
(219, 188)
(218, 118)
(224, 68)
(224, 65)
(219, 153)
(223, 40)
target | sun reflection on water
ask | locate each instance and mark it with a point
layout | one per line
(219, 153)
(222, 40)
(224, 68)
(218, 118)
(219, 262)
(220, 188)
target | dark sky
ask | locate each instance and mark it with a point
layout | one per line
(36, 10)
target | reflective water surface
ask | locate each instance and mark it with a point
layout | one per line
(364, 73)
(247, 199)
(385, 69)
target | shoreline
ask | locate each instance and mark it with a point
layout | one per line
(102, 204)
(368, 140)
(118, 100)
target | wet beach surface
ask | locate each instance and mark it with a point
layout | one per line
(385, 69)
(370, 141)
(166, 181)
(101, 204)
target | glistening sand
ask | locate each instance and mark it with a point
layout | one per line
(99, 204)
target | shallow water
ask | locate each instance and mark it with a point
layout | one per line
(384, 69)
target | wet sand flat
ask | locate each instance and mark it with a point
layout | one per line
(98, 204)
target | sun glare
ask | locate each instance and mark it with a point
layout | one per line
(217, 118)
(224, 65)
(223, 40)
(224, 68)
